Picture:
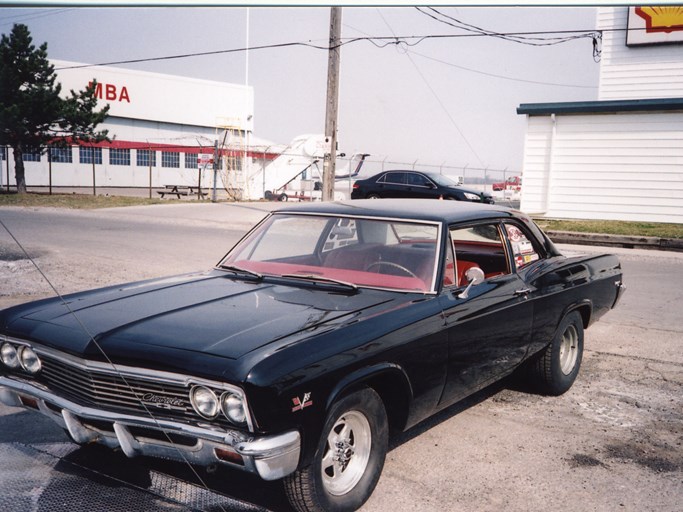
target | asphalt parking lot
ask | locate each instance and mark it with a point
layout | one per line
(613, 442)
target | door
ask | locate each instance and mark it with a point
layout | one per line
(419, 186)
(392, 184)
(489, 330)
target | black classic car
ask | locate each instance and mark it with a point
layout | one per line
(324, 329)
(415, 185)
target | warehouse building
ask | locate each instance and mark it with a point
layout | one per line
(159, 125)
(620, 157)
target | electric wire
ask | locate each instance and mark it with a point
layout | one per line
(438, 99)
(104, 354)
(378, 41)
(451, 21)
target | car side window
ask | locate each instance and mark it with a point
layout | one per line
(395, 178)
(523, 250)
(417, 180)
(482, 246)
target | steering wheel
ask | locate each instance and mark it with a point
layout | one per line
(390, 264)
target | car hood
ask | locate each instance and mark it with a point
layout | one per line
(211, 313)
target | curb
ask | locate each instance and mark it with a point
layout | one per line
(629, 242)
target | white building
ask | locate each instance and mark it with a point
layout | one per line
(158, 124)
(621, 157)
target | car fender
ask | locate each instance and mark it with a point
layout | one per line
(585, 309)
(365, 376)
(389, 380)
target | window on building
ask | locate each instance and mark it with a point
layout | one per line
(61, 155)
(31, 156)
(190, 160)
(3, 153)
(146, 158)
(89, 155)
(170, 159)
(119, 156)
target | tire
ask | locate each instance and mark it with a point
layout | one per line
(283, 197)
(373, 196)
(357, 426)
(555, 368)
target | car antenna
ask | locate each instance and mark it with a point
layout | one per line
(99, 347)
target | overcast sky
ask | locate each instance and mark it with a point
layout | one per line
(443, 101)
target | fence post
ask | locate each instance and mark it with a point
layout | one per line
(49, 169)
(7, 152)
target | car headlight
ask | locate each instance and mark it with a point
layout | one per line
(233, 408)
(472, 197)
(29, 360)
(9, 356)
(205, 402)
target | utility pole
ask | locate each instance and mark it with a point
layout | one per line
(332, 104)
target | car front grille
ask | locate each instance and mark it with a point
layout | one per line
(111, 391)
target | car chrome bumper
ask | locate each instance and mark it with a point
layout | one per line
(271, 457)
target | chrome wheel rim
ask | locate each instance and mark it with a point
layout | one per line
(569, 350)
(347, 452)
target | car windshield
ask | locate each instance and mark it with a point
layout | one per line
(442, 180)
(348, 251)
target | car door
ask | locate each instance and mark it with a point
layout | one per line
(393, 185)
(419, 186)
(489, 326)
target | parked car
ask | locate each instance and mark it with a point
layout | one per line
(512, 183)
(328, 326)
(414, 184)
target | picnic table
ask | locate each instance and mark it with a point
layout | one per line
(181, 190)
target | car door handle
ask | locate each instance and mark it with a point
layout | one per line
(523, 291)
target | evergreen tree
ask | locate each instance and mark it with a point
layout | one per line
(32, 113)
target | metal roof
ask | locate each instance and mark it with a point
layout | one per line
(599, 107)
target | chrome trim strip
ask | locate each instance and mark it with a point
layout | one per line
(271, 457)
(136, 372)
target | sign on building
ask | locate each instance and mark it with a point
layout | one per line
(204, 160)
(661, 24)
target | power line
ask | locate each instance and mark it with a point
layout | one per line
(520, 38)
(517, 38)
(378, 41)
(32, 16)
(502, 77)
(436, 96)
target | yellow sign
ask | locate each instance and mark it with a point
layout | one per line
(661, 24)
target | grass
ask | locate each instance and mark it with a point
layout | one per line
(73, 201)
(613, 227)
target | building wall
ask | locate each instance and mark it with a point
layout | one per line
(628, 72)
(172, 99)
(148, 111)
(608, 166)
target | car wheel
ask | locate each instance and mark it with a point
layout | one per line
(555, 368)
(349, 458)
(374, 196)
(283, 197)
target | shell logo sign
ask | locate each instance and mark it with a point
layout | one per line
(655, 25)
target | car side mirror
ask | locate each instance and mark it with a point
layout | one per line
(474, 275)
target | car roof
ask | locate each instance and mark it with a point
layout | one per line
(413, 209)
